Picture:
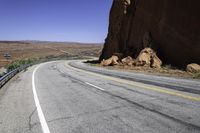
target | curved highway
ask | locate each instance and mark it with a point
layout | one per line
(72, 97)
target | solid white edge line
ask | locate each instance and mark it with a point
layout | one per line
(42, 119)
(95, 86)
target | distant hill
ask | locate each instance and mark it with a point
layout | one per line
(46, 42)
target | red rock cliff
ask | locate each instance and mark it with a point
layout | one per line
(171, 27)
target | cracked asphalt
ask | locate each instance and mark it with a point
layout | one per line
(71, 105)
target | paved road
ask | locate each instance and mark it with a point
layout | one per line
(64, 97)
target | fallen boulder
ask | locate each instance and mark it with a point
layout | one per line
(111, 61)
(193, 68)
(148, 58)
(128, 61)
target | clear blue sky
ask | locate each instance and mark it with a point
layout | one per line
(54, 20)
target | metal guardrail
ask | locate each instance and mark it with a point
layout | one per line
(11, 74)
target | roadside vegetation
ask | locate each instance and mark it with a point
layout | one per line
(32, 61)
(19, 63)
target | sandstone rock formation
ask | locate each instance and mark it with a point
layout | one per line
(170, 27)
(193, 68)
(148, 58)
(128, 61)
(111, 61)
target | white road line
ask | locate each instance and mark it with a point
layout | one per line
(95, 86)
(42, 119)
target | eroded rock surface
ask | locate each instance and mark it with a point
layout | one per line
(111, 61)
(148, 58)
(128, 61)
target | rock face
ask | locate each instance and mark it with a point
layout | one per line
(170, 27)
(193, 68)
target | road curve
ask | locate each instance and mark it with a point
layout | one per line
(71, 97)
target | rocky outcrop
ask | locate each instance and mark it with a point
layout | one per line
(148, 58)
(111, 61)
(170, 27)
(193, 68)
(128, 61)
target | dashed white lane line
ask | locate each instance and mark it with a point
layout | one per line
(42, 119)
(95, 86)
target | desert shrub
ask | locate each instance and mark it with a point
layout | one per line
(19, 63)
(13, 66)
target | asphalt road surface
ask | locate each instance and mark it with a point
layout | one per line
(72, 97)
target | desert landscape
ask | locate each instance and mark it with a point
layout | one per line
(99, 66)
(21, 50)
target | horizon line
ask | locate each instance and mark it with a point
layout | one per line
(52, 41)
